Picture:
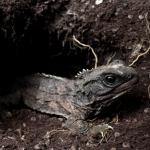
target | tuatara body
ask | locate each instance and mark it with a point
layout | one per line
(76, 99)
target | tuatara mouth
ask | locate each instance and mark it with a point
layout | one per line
(117, 92)
(125, 87)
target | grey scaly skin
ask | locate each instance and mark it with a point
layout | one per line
(77, 99)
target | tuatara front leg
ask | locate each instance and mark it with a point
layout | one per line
(76, 125)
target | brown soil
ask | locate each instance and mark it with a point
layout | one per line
(38, 36)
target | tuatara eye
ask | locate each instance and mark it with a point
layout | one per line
(110, 79)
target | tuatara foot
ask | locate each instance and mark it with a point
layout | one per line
(76, 125)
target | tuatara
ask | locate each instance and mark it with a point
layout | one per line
(76, 99)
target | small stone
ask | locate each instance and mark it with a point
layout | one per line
(23, 137)
(97, 2)
(146, 110)
(116, 134)
(146, 135)
(89, 144)
(126, 145)
(24, 125)
(113, 148)
(21, 148)
(93, 6)
(127, 120)
(8, 114)
(143, 68)
(114, 30)
(130, 16)
(125, 4)
(33, 119)
(9, 129)
(37, 147)
(110, 1)
(2, 147)
(73, 147)
(87, 3)
(60, 119)
(134, 120)
(141, 17)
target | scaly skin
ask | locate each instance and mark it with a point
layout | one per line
(77, 99)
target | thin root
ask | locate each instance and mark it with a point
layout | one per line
(88, 46)
(115, 119)
(111, 58)
(52, 132)
(140, 55)
(148, 49)
(149, 91)
(147, 23)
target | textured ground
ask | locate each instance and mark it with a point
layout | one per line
(38, 36)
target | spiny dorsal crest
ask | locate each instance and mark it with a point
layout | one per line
(83, 73)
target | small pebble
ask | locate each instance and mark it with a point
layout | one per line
(146, 135)
(126, 145)
(113, 148)
(60, 119)
(115, 30)
(8, 114)
(127, 120)
(93, 6)
(33, 119)
(146, 110)
(2, 147)
(116, 134)
(87, 3)
(97, 2)
(23, 137)
(143, 68)
(89, 144)
(130, 16)
(37, 147)
(134, 120)
(73, 147)
(24, 125)
(9, 129)
(141, 17)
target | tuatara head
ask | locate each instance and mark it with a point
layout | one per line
(104, 84)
